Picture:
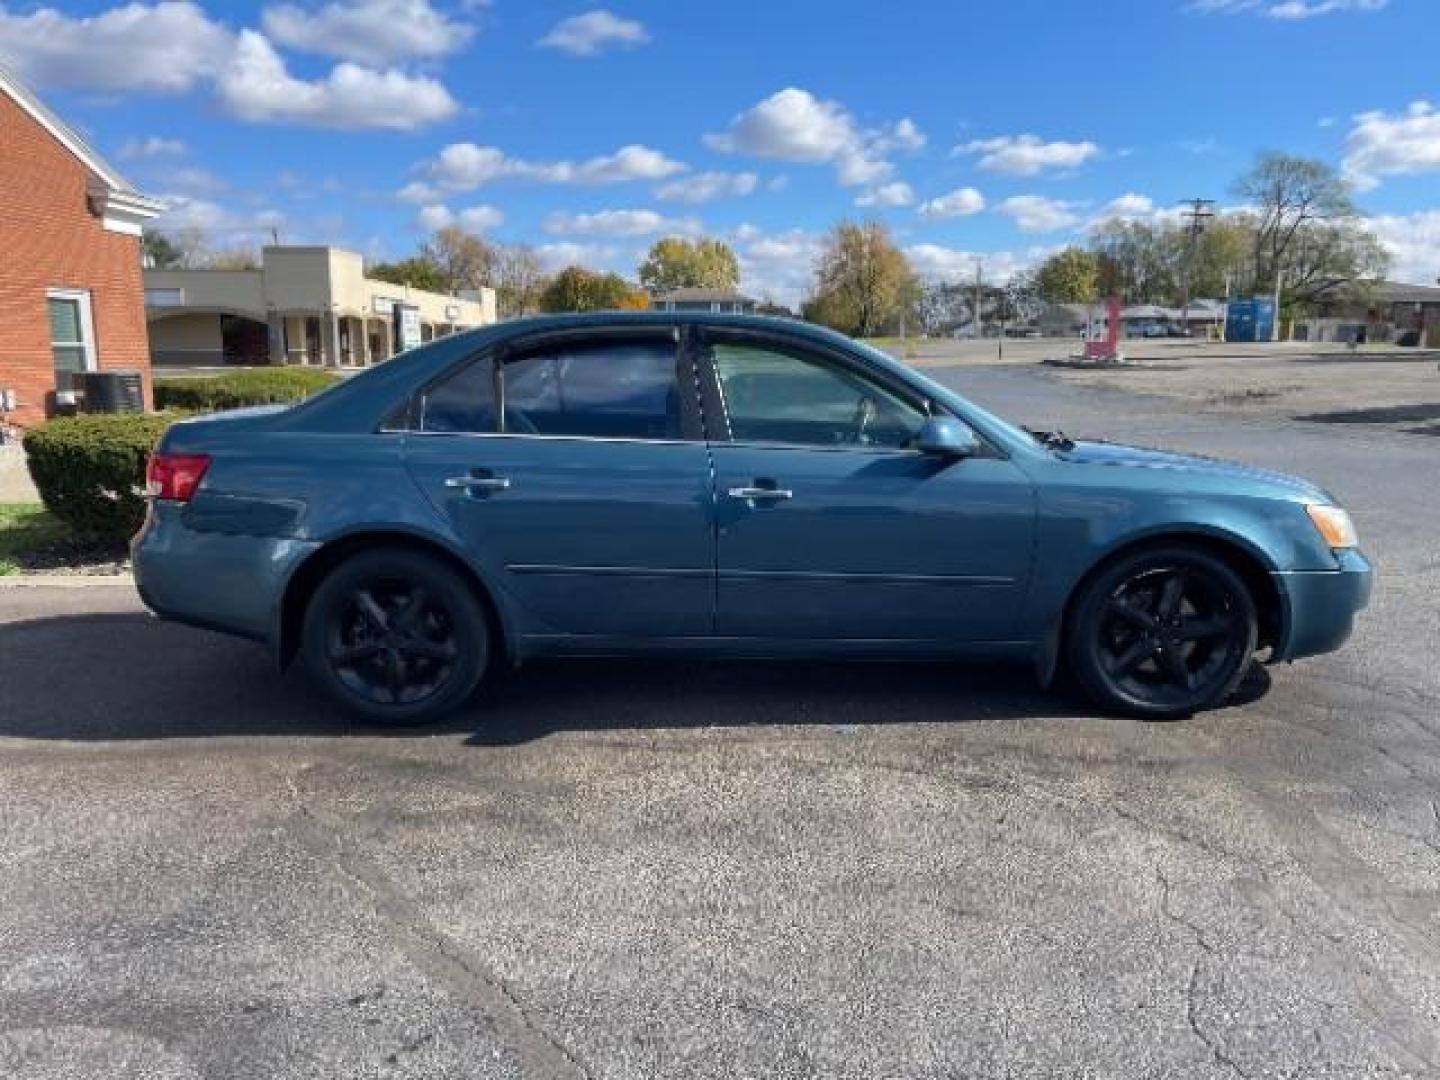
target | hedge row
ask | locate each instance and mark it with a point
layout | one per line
(239, 389)
(90, 471)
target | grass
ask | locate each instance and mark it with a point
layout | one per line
(27, 531)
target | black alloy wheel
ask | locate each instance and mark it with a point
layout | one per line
(1163, 633)
(396, 636)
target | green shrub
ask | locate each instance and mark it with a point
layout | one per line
(90, 471)
(239, 389)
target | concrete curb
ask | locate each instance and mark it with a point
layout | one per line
(62, 581)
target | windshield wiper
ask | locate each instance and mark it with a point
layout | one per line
(1052, 440)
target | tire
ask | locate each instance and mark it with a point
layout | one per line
(1162, 633)
(397, 637)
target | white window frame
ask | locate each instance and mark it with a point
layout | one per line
(87, 325)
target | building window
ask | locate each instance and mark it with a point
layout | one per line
(72, 334)
(164, 297)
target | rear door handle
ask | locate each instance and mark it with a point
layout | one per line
(479, 483)
(776, 494)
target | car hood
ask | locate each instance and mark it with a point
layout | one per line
(1106, 453)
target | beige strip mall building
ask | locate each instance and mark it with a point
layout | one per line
(305, 305)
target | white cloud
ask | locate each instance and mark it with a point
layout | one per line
(466, 166)
(952, 265)
(194, 180)
(958, 203)
(435, 216)
(173, 46)
(794, 125)
(158, 48)
(895, 193)
(1286, 9)
(481, 218)
(1028, 155)
(1381, 144)
(473, 219)
(373, 32)
(154, 146)
(618, 223)
(779, 266)
(418, 191)
(256, 86)
(560, 254)
(1038, 214)
(1129, 205)
(221, 225)
(1413, 241)
(593, 32)
(707, 186)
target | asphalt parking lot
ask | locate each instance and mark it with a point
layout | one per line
(631, 870)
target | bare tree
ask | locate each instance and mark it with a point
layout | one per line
(1288, 194)
(519, 280)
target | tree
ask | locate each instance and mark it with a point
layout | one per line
(519, 281)
(1141, 262)
(159, 251)
(417, 272)
(577, 289)
(1071, 276)
(676, 263)
(237, 258)
(863, 282)
(1288, 194)
(1327, 258)
(464, 261)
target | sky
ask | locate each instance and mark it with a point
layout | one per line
(989, 131)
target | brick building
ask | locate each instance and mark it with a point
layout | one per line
(71, 295)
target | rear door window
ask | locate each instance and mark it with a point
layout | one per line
(605, 389)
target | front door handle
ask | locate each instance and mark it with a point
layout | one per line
(776, 494)
(479, 483)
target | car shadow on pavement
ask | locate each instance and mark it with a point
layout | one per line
(129, 676)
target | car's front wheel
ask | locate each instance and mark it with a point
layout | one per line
(1162, 633)
(395, 636)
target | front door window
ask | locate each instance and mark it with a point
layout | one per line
(773, 395)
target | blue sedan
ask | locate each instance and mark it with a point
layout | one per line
(638, 483)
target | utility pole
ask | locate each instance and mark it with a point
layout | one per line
(1201, 211)
(979, 276)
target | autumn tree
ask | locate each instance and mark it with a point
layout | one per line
(1071, 276)
(463, 260)
(863, 282)
(579, 289)
(418, 272)
(677, 263)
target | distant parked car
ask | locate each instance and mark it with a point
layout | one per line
(677, 483)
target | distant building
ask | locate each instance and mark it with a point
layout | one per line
(716, 301)
(1388, 311)
(71, 297)
(304, 305)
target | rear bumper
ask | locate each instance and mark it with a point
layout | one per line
(220, 581)
(1321, 605)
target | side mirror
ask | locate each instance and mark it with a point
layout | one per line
(944, 436)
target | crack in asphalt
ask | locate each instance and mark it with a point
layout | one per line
(538, 1052)
(1193, 998)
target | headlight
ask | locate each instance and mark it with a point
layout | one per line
(1334, 525)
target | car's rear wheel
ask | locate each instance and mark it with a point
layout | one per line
(1162, 633)
(395, 636)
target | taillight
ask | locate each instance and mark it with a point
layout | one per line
(175, 476)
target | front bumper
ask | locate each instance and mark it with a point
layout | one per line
(221, 581)
(1321, 605)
